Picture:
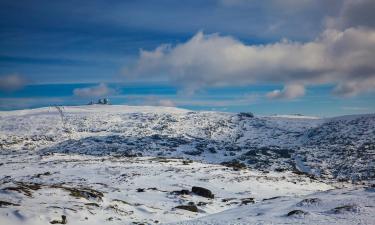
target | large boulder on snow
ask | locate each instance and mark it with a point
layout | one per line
(202, 192)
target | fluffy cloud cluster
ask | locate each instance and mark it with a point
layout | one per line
(344, 58)
(12, 82)
(100, 90)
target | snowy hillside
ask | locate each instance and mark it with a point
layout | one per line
(339, 148)
(138, 165)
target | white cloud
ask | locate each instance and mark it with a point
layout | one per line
(289, 92)
(100, 90)
(336, 57)
(343, 55)
(12, 82)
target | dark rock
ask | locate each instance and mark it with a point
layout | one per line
(24, 188)
(187, 162)
(4, 204)
(267, 199)
(309, 201)
(86, 193)
(297, 212)
(345, 208)
(243, 115)
(182, 192)
(236, 165)
(279, 169)
(140, 190)
(246, 201)
(227, 199)
(62, 221)
(192, 208)
(92, 204)
(202, 192)
(212, 150)
(43, 174)
(202, 203)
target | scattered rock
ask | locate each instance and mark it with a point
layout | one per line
(192, 208)
(243, 115)
(202, 192)
(86, 193)
(43, 174)
(24, 188)
(345, 208)
(122, 201)
(228, 199)
(152, 188)
(267, 199)
(236, 165)
(297, 212)
(309, 201)
(202, 203)
(187, 162)
(4, 204)
(62, 221)
(181, 192)
(245, 201)
(280, 169)
(118, 210)
(92, 204)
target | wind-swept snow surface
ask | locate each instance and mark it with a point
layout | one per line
(138, 165)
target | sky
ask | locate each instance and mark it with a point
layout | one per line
(312, 57)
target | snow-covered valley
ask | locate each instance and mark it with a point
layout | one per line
(153, 165)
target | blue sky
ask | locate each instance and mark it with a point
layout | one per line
(269, 57)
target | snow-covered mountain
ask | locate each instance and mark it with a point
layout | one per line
(342, 147)
(137, 164)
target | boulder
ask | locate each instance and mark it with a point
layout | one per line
(191, 208)
(246, 201)
(297, 213)
(345, 209)
(202, 192)
(62, 221)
